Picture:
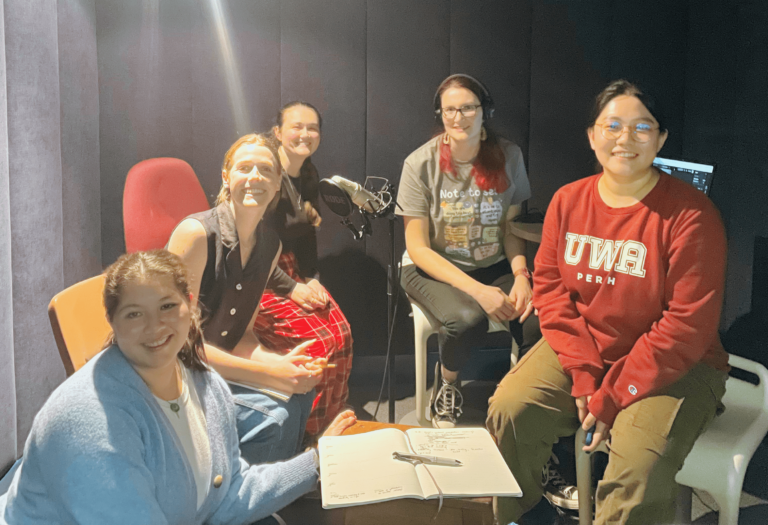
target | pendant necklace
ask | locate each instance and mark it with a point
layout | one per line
(174, 404)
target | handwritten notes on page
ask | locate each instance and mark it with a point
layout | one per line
(360, 469)
(484, 472)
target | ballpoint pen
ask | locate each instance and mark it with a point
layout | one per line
(432, 460)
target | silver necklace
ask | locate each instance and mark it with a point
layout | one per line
(174, 405)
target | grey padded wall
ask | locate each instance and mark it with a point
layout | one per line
(8, 442)
(34, 161)
(145, 96)
(81, 180)
(49, 193)
(254, 69)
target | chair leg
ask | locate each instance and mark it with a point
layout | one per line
(420, 356)
(729, 507)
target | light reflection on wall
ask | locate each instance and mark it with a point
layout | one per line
(240, 112)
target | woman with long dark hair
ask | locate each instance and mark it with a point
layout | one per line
(458, 194)
(309, 313)
(629, 284)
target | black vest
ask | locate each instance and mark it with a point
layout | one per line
(229, 293)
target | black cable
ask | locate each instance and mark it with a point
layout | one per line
(396, 298)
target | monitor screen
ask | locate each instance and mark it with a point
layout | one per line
(697, 174)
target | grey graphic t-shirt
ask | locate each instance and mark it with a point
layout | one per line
(466, 224)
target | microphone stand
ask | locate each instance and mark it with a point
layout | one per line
(393, 285)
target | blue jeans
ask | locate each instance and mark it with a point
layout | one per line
(269, 429)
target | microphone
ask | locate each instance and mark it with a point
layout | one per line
(352, 191)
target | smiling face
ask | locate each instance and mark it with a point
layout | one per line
(624, 156)
(461, 128)
(299, 134)
(254, 177)
(151, 322)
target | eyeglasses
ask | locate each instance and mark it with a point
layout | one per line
(641, 132)
(466, 111)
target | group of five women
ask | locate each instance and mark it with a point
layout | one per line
(626, 293)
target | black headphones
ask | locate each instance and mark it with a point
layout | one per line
(486, 100)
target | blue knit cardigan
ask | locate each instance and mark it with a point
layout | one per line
(101, 451)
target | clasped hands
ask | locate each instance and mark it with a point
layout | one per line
(502, 307)
(588, 421)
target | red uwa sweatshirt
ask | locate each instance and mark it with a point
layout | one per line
(630, 298)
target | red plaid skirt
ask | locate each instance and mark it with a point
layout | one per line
(282, 324)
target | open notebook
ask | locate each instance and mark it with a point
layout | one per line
(360, 469)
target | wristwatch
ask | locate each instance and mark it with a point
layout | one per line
(522, 271)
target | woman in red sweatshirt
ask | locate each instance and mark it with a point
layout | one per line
(629, 284)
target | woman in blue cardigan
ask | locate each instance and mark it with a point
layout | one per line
(145, 432)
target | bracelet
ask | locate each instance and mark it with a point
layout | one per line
(522, 271)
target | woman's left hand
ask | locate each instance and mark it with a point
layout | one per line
(522, 295)
(601, 431)
(307, 297)
(320, 292)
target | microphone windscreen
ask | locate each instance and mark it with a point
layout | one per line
(335, 196)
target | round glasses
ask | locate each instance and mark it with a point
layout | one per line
(466, 111)
(640, 132)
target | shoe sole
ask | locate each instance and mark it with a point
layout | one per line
(562, 502)
(442, 424)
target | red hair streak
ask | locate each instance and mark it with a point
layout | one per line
(488, 168)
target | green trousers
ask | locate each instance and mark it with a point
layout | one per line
(533, 407)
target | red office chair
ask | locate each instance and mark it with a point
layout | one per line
(158, 194)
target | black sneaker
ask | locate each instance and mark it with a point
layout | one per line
(446, 402)
(557, 490)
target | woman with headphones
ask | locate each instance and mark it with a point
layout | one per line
(458, 193)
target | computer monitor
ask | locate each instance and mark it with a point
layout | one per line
(695, 173)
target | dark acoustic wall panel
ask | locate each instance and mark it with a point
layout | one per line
(577, 48)
(652, 51)
(236, 72)
(408, 55)
(727, 122)
(711, 87)
(749, 178)
(322, 56)
(492, 42)
(570, 63)
(145, 96)
(81, 178)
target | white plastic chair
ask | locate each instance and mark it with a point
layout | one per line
(424, 325)
(719, 458)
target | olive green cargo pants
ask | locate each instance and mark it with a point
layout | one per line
(533, 407)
